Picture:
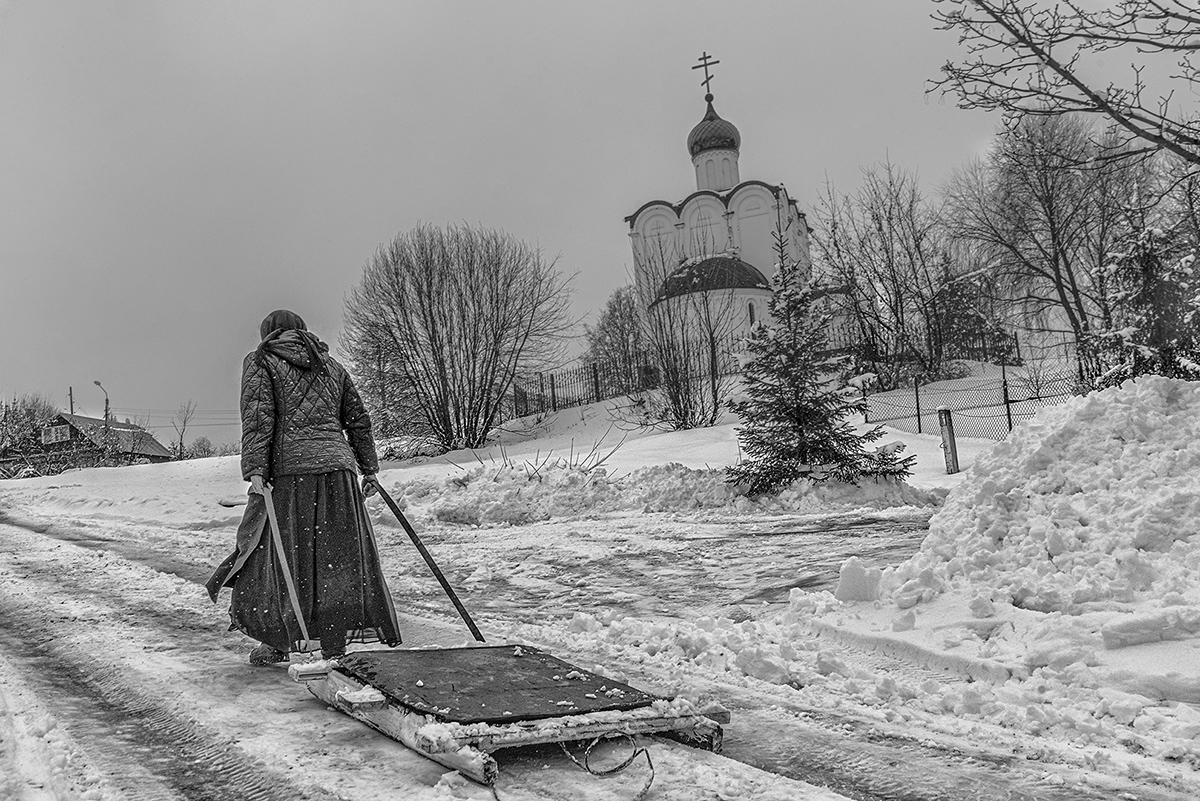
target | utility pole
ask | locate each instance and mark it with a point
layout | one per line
(71, 398)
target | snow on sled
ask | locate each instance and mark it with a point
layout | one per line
(458, 705)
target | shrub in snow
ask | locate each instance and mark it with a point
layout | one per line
(396, 448)
(1088, 505)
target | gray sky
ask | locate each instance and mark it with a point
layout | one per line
(171, 172)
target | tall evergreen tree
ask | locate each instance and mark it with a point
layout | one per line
(798, 398)
(1156, 325)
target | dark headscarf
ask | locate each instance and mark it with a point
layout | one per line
(280, 321)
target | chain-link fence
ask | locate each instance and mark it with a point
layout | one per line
(983, 407)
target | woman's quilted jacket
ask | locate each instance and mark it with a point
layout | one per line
(296, 403)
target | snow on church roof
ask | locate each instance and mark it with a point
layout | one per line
(712, 273)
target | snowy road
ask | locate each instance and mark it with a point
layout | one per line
(125, 688)
(147, 697)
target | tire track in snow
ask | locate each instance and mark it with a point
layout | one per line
(848, 756)
(141, 746)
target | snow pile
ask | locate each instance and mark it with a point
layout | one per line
(1057, 593)
(518, 495)
(1089, 506)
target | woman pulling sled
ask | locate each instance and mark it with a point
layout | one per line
(305, 431)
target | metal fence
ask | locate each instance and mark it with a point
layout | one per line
(592, 382)
(985, 408)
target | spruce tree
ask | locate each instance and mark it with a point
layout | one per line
(798, 397)
(1156, 317)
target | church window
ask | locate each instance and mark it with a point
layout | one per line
(751, 312)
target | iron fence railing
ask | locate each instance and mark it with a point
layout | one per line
(595, 381)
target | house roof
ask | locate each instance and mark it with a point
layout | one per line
(127, 437)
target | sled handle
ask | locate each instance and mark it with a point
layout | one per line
(429, 561)
(283, 562)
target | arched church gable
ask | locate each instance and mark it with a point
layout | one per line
(705, 228)
(755, 219)
(659, 238)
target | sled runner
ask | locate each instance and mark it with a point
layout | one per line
(459, 705)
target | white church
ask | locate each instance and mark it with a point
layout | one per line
(719, 239)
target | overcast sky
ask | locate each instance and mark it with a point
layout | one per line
(170, 172)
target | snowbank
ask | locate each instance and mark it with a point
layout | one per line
(1057, 593)
(1063, 572)
(522, 494)
(1091, 505)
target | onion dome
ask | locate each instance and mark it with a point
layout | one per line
(712, 273)
(713, 133)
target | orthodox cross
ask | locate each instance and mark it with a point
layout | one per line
(705, 64)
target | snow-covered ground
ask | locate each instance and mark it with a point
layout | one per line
(1049, 622)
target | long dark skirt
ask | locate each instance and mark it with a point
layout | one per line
(331, 552)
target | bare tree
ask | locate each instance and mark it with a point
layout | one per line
(455, 312)
(201, 448)
(183, 416)
(689, 338)
(394, 409)
(1046, 209)
(1030, 57)
(886, 247)
(618, 338)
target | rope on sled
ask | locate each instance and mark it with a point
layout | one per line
(635, 751)
(586, 763)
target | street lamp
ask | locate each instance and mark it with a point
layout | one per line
(107, 439)
(105, 391)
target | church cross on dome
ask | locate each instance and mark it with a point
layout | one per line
(704, 64)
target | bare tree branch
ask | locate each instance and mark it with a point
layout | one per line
(1026, 57)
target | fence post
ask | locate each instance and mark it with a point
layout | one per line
(866, 403)
(1007, 403)
(1004, 395)
(917, 395)
(553, 395)
(949, 446)
(542, 392)
(596, 379)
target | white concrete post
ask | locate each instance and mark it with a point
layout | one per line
(949, 447)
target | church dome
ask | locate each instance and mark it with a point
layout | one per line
(712, 273)
(713, 133)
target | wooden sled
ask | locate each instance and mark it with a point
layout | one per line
(458, 705)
